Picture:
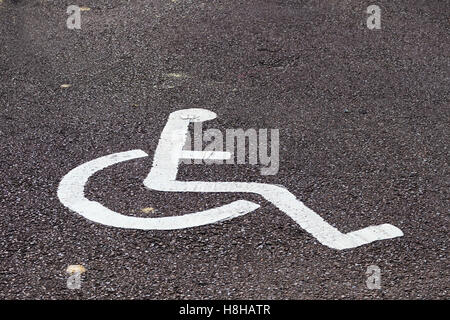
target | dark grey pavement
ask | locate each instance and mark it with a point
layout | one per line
(364, 139)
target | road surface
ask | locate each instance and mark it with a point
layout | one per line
(363, 118)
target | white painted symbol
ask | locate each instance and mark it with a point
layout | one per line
(162, 177)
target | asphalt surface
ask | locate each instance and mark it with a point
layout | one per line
(364, 132)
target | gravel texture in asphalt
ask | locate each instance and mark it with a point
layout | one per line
(363, 117)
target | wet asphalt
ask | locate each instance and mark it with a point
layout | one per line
(363, 117)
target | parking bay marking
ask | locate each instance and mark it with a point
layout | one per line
(162, 177)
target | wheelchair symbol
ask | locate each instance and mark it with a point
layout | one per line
(162, 177)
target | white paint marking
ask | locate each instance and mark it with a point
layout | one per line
(71, 194)
(211, 155)
(162, 177)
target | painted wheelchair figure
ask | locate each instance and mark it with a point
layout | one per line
(162, 177)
